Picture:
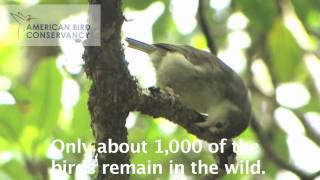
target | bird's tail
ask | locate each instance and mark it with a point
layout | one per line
(141, 46)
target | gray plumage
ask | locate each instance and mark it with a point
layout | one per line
(202, 82)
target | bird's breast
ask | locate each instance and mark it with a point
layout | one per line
(190, 82)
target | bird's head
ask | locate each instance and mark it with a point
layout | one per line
(225, 120)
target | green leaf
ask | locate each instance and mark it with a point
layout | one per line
(312, 106)
(63, 2)
(16, 170)
(81, 119)
(11, 122)
(302, 8)
(29, 138)
(313, 19)
(248, 134)
(279, 145)
(137, 4)
(45, 94)
(6, 144)
(4, 175)
(236, 176)
(164, 27)
(286, 55)
(260, 13)
(11, 62)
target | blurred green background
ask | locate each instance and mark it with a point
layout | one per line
(274, 45)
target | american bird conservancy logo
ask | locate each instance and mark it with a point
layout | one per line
(30, 27)
(51, 25)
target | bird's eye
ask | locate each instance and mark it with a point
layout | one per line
(218, 125)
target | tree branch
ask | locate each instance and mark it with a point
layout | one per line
(113, 89)
(161, 104)
(310, 132)
(263, 140)
(204, 25)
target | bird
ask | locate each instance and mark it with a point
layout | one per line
(201, 82)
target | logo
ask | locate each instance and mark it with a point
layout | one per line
(36, 27)
(22, 20)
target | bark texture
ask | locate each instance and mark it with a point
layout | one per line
(113, 89)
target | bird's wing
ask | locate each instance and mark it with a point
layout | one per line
(193, 55)
(17, 17)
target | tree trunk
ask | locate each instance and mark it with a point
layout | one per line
(112, 87)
